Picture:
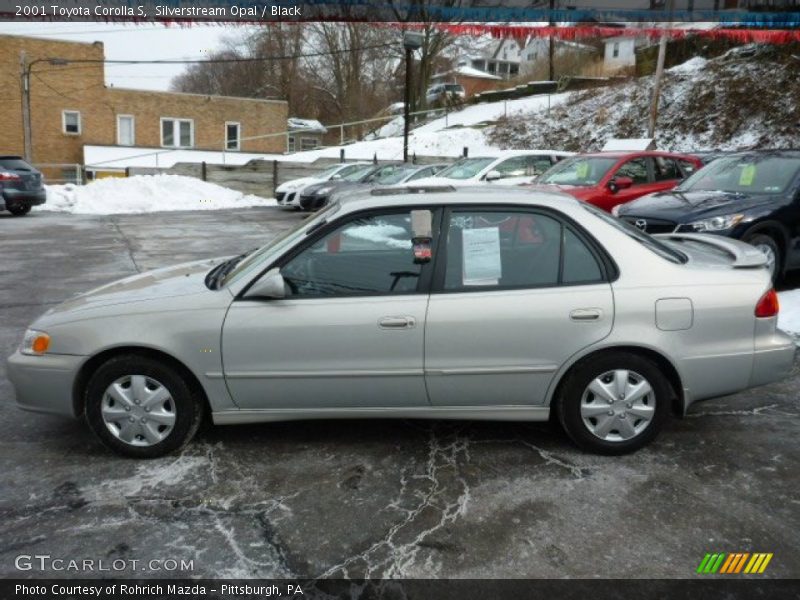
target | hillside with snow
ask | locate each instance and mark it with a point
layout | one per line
(746, 98)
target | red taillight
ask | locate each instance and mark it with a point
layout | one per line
(768, 305)
(8, 177)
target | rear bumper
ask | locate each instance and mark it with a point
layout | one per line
(773, 358)
(44, 383)
(31, 197)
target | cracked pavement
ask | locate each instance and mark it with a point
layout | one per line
(370, 498)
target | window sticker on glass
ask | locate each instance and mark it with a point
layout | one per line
(482, 265)
(747, 175)
(582, 170)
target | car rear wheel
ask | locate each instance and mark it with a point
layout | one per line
(614, 403)
(769, 247)
(141, 408)
(19, 210)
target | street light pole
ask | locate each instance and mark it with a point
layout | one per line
(411, 41)
(25, 88)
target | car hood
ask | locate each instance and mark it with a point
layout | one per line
(295, 184)
(179, 280)
(679, 206)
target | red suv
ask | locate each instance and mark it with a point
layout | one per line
(606, 179)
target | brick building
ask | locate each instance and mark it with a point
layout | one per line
(71, 107)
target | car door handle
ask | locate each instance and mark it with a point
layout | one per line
(397, 322)
(586, 314)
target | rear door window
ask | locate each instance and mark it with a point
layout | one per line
(666, 169)
(636, 169)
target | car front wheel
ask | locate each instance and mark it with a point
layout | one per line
(769, 247)
(141, 408)
(614, 403)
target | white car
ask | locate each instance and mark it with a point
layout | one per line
(509, 167)
(287, 193)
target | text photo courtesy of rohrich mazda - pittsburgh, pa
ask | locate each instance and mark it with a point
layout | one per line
(425, 300)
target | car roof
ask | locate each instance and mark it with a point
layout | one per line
(633, 153)
(506, 153)
(444, 195)
(792, 152)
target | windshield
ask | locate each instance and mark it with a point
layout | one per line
(395, 176)
(580, 170)
(358, 173)
(651, 243)
(744, 174)
(276, 244)
(453, 87)
(330, 171)
(465, 168)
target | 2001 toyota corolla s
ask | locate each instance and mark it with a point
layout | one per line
(475, 304)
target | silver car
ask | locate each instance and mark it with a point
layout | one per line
(471, 304)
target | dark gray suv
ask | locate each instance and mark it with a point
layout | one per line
(20, 186)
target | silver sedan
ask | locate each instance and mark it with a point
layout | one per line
(475, 304)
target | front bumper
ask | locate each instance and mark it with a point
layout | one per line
(313, 202)
(44, 383)
(31, 197)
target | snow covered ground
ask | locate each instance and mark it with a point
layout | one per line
(789, 315)
(145, 193)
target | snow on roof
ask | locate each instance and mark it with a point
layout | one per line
(629, 145)
(467, 71)
(308, 125)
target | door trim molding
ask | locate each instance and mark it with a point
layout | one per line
(382, 372)
(494, 370)
(473, 413)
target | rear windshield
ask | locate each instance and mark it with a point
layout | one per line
(14, 164)
(581, 170)
(651, 243)
(466, 168)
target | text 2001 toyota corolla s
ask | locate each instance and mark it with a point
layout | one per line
(469, 304)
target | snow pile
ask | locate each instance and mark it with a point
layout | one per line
(144, 194)
(789, 315)
(746, 98)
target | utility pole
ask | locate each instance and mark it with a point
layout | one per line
(551, 48)
(662, 53)
(411, 41)
(25, 87)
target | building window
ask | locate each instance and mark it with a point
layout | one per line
(233, 136)
(126, 130)
(71, 122)
(308, 143)
(290, 147)
(615, 50)
(177, 133)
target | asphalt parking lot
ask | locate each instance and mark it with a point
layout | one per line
(370, 498)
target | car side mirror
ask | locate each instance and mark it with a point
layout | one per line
(271, 285)
(619, 183)
(493, 175)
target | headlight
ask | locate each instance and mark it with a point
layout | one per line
(717, 223)
(615, 210)
(323, 191)
(35, 342)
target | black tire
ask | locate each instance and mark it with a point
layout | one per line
(761, 239)
(568, 404)
(19, 210)
(188, 407)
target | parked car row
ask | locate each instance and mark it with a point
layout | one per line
(753, 196)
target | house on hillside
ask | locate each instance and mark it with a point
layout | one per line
(304, 134)
(70, 112)
(474, 81)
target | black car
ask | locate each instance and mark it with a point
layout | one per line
(318, 195)
(20, 186)
(751, 196)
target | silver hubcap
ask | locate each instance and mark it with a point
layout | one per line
(138, 410)
(618, 405)
(772, 260)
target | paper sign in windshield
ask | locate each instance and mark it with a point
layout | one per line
(747, 175)
(482, 264)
